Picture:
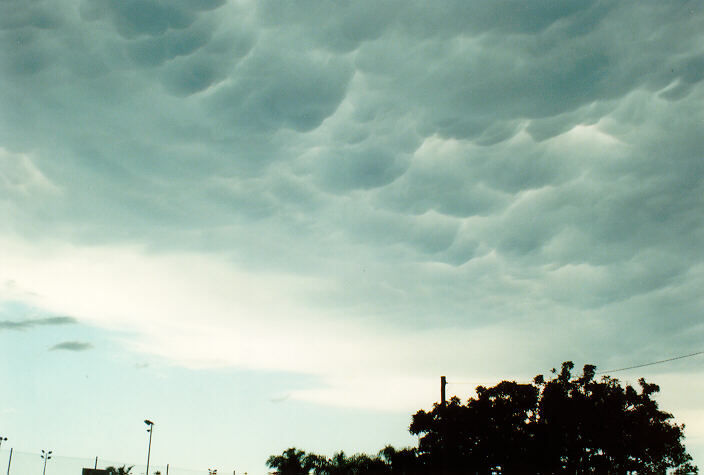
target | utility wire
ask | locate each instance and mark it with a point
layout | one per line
(652, 363)
(617, 369)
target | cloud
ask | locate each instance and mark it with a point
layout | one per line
(36, 322)
(494, 178)
(273, 90)
(279, 399)
(146, 17)
(72, 346)
(20, 176)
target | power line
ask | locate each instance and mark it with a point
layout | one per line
(652, 363)
(617, 369)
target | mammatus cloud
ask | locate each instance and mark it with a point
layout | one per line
(31, 323)
(401, 188)
(72, 346)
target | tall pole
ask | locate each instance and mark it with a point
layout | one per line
(443, 383)
(2, 439)
(149, 450)
(443, 401)
(46, 456)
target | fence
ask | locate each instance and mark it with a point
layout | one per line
(26, 463)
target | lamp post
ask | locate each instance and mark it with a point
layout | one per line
(150, 429)
(9, 460)
(46, 456)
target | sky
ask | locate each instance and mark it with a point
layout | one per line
(262, 224)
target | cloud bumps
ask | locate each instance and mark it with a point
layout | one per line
(489, 168)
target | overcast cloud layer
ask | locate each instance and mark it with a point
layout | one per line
(374, 193)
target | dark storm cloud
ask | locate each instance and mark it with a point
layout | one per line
(272, 91)
(507, 159)
(72, 346)
(509, 66)
(335, 26)
(358, 166)
(134, 18)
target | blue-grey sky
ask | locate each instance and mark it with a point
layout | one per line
(264, 223)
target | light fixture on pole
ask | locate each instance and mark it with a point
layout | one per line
(150, 429)
(2, 439)
(46, 456)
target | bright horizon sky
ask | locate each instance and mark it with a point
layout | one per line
(263, 224)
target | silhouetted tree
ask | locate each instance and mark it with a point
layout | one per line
(491, 431)
(358, 464)
(293, 462)
(587, 424)
(365, 464)
(119, 470)
(564, 425)
(401, 462)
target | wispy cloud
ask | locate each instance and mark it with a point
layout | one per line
(279, 399)
(36, 322)
(72, 346)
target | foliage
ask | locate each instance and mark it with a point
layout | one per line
(292, 462)
(120, 470)
(558, 426)
(403, 462)
(491, 431)
(563, 425)
(340, 464)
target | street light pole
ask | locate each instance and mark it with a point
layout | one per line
(9, 460)
(46, 456)
(150, 426)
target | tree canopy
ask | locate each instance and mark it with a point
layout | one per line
(123, 470)
(296, 462)
(557, 426)
(563, 425)
(292, 462)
